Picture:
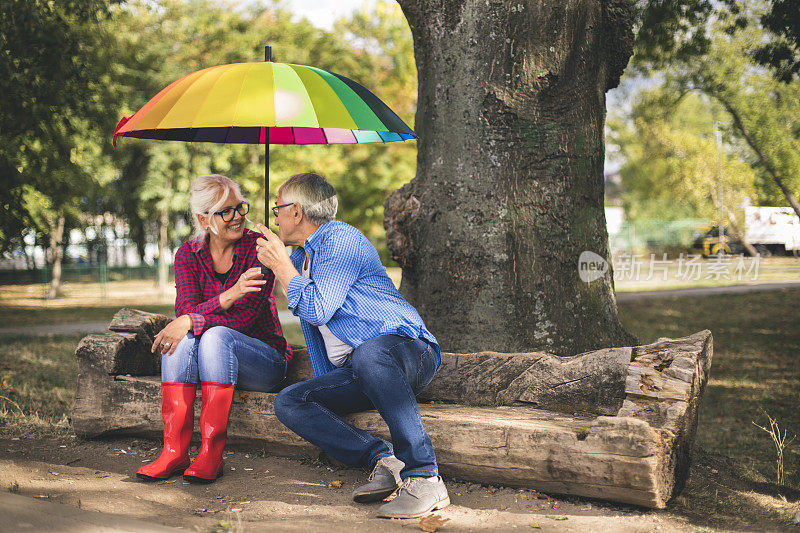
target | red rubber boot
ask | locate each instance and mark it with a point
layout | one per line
(217, 398)
(177, 410)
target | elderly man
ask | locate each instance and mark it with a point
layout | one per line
(368, 347)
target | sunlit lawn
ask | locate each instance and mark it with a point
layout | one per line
(756, 365)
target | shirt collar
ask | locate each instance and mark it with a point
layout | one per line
(319, 234)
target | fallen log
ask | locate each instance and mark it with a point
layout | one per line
(527, 420)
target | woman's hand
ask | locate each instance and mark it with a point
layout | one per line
(168, 338)
(251, 280)
(272, 254)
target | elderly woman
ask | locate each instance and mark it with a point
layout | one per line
(226, 332)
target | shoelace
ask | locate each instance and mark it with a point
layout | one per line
(405, 485)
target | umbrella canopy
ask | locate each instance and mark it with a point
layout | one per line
(265, 103)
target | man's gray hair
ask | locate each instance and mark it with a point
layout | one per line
(313, 192)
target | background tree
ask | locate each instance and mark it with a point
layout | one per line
(671, 163)
(52, 64)
(764, 113)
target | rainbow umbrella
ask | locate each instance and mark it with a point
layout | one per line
(265, 103)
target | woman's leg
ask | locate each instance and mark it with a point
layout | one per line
(228, 356)
(225, 356)
(181, 365)
(178, 385)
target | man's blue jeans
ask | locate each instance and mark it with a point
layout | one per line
(385, 373)
(224, 355)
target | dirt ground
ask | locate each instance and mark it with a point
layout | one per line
(264, 493)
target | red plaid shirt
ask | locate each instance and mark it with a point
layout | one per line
(198, 293)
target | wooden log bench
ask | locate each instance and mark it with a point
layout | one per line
(615, 424)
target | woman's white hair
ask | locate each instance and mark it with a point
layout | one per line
(207, 194)
(315, 195)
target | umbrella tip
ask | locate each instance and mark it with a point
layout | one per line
(267, 53)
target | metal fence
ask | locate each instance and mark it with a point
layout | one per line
(80, 274)
(655, 235)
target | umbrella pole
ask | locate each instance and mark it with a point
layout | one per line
(266, 175)
(265, 270)
(267, 58)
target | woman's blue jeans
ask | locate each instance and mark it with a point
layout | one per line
(385, 373)
(224, 355)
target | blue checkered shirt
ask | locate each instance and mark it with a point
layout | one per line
(349, 291)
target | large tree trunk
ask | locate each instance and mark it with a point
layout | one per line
(56, 256)
(509, 185)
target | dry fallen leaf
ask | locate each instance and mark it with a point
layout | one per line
(502, 508)
(556, 516)
(491, 490)
(535, 525)
(336, 483)
(432, 522)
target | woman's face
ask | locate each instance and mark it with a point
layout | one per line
(228, 221)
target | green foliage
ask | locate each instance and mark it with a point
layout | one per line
(667, 144)
(678, 30)
(782, 52)
(51, 73)
(671, 158)
(764, 114)
(668, 30)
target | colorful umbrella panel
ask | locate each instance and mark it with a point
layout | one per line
(275, 103)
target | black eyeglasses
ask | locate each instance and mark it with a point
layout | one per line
(275, 209)
(227, 214)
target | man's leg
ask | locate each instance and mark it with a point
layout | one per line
(312, 409)
(391, 370)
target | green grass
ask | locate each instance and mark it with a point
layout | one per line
(37, 383)
(11, 315)
(756, 364)
(293, 334)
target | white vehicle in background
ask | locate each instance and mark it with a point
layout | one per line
(772, 230)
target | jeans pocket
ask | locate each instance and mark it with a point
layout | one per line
(426, 370)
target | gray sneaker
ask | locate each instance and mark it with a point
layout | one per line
(383, 480)
(417, 497)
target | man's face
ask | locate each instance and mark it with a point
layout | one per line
(284, 221)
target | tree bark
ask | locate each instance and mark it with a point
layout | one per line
(509, 184)
(739, 233)
(163, 267)
(56, 256)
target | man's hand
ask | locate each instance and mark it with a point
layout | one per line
(272, 254)
(271, 249)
